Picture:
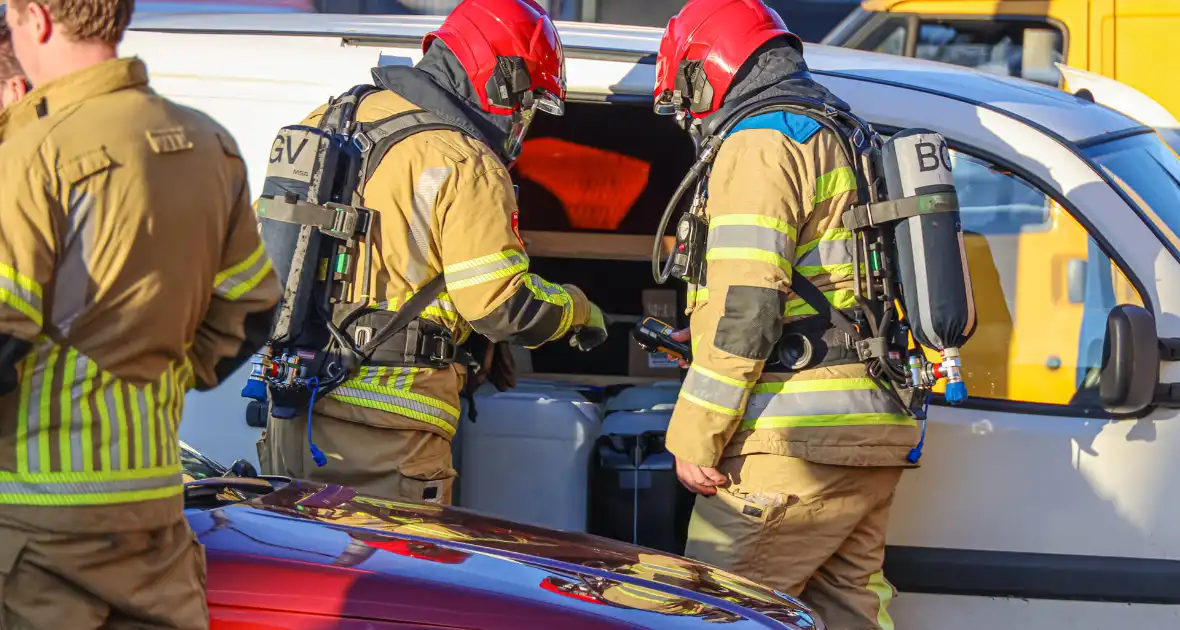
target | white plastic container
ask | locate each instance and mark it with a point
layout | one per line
(639, 398)
(527, 456)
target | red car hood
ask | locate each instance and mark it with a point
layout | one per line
(324, 551)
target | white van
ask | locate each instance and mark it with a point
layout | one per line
(1034, 507)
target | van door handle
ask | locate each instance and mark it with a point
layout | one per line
(1075, 280)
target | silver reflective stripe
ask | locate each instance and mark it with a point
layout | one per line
(513, 259)
(71, 295)
(243, 280)
(76, 402)
(35, 431)
(425, 194)
(828, 253)
(820, 403)
(21, 293)
(754, 236)
(91, 487)
(717, 395)
(145, 455)
(396, 401)
(161, 418)
(404, 377)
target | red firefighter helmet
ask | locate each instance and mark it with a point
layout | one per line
(510, 51)
(704, 47)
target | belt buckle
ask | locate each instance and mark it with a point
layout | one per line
(444, 351)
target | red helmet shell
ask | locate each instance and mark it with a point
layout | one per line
(721, 33)
(480, 32)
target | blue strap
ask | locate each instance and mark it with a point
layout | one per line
(797, 127)
(916, 452)
(316, 453)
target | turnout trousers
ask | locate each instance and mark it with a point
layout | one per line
(396, 464)
(118, 581)
(810, 530)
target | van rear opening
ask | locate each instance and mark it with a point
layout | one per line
(593, 185)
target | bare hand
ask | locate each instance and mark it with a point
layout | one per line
(681, 335)
(701, 480)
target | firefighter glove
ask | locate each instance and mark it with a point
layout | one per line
(589, 325)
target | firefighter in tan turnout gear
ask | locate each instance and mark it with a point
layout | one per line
(131, 270)
(785, 426)
(445, 209)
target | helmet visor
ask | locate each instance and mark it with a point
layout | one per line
(521, 119)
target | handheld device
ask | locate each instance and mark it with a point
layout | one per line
(655, 336)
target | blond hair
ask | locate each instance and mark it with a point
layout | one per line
(88, 20)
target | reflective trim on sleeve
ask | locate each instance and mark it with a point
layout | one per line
(468, 273)
(401, 402)
(20, 293)
(821, 403)
(751, 237)
(243, 277)
(832, 183)
(713, 391)
(831, 253)
(553, 294)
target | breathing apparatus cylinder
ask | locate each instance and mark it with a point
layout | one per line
(931, 258)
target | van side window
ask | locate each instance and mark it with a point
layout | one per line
(1018, 48)
(1043, 288)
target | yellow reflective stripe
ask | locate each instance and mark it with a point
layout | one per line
(834, 270)
(250, 283)
(835, 234)
(94, 498)
(418, 398)
(91, 477)
(817, 385)
(721, 377)
(884, 592)
(748, 253)
(105, 417)
(553, 294)
(22, 428)
(21, 293)
(121, 416)
(243, 277)
(833, 183)
(136, 422)
(397, 409)
(152, 426)
(758, 220)
(839, 299)
(708, 405)
(64, 431)
(468, 273)
(834, 420)
(701, 294)
(84, 406)
(254, 256)
(46, 404)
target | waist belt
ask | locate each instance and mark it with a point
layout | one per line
(811, 343)
(422, 343)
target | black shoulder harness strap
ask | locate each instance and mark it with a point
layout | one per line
(374, 140)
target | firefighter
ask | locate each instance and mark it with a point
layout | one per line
(445, 204)
(131, 270)
(13, 84)
(795, 468)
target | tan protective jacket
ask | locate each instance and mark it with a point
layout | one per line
(129, 259)
(445, 204)
(775, 205)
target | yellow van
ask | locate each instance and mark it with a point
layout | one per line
(1127, 40)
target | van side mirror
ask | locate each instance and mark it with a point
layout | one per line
(1131, 355)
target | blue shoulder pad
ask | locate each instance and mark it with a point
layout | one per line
(797, 127)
